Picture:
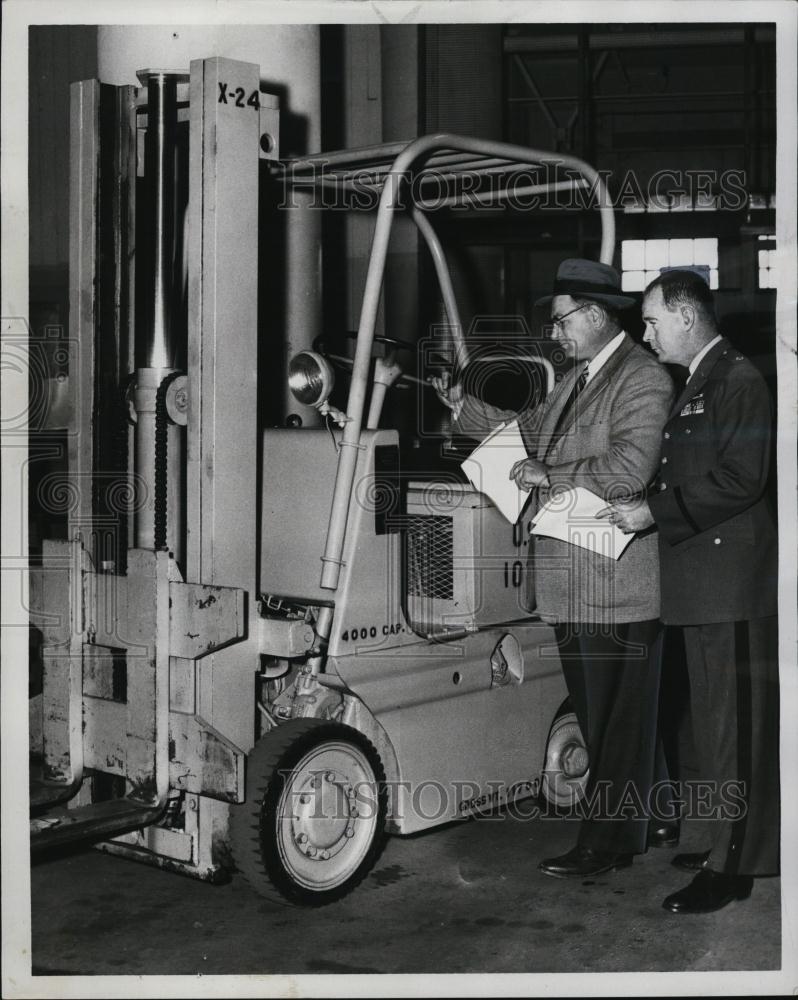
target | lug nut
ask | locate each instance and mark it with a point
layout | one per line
(350, 831)
(304, 799)
(325, 855)
(329, 776)
(311, 852)
(302, 838)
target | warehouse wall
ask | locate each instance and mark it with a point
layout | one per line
(704, 105)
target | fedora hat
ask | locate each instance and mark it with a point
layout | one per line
(588, 279)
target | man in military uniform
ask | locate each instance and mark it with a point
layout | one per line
(718, 557)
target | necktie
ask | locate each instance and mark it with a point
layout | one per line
(578, 386)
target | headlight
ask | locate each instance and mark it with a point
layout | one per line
(310, 378)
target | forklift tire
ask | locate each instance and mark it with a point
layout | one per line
(566, 770)
(313, 824)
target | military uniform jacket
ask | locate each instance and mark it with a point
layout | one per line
(717, 539)
(610, 444)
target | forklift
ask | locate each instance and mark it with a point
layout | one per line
(264, 649)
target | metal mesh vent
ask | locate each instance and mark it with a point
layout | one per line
(429, 557)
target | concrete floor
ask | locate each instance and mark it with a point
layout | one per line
(464, 898)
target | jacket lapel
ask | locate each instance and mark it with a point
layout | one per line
(593, 388)
(700, 376)
(554, 406)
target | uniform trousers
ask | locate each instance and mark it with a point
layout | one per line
(612, 673)
(734, 701)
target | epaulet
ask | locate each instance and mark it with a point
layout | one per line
(731, 355)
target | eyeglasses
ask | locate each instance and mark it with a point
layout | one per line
(557, 320)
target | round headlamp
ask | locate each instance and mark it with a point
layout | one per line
(310, 378)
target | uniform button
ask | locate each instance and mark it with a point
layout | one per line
(667, 436)
(662, 486)
(717, 541)
(664, 460)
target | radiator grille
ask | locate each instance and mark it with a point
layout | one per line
(429, 557)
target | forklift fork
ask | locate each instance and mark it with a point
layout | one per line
(107, 646)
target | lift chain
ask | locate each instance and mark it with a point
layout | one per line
(161, 427)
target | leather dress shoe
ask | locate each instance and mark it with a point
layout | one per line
(691, 862)
(662, 835)
(582, 861)
(709, 891)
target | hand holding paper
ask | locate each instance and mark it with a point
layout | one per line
(573, 516)
(529, 473)
(631, 516)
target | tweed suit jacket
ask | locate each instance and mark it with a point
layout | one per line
(610, 444)
(717, 538)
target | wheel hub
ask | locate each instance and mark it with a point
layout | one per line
(324, 813)
(574, 760)
(567, 763)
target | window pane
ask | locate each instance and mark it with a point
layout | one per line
(632, 281)
(763, 258)
(771, 258)
(681, 252)
(713, 278)
(650, 275)
(706, 252)
(656, 254)
(632, 255)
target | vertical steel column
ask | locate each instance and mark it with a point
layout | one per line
(157, 339)
(223, 441)
(302, 291)
(83, 280)
(157, 347)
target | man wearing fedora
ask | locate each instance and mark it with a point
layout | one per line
(718, 559)
(600, 428)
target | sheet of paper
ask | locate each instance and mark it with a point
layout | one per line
(571, 517)
(488, 469)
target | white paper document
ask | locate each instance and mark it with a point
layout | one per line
(570, 515)
(488, 469)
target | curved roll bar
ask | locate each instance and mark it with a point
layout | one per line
(389, 201)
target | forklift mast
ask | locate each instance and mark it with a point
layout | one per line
(166, 328)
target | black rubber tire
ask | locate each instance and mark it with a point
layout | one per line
(550, 802)
(253, 826)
